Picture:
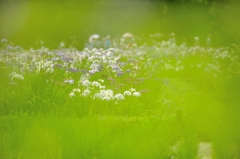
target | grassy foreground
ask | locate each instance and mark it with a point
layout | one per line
(160, 130)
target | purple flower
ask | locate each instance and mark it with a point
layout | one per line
(57, 66)
(72, 69)
(55, 59)
(119, 74)
(93, 71)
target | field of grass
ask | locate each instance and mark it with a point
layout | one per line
(115, 103)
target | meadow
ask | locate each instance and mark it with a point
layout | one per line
(163, 101)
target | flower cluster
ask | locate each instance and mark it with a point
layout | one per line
(96, 90)
(94, 72)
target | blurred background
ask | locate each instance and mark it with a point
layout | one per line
(25, 22)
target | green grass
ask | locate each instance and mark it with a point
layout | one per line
(102, 137)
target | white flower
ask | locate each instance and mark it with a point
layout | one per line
(72, 94)
(17, 76)
(196, 38)
(136, 67)
(47, 64)
(128, 93)
(96, 84)
(100, 80)
(12, 74)
(86, 92)
(4, 40)
(69, 81)
(96, 61)
(108, 93)
(50, 70)
(76, 90)
(98, 95)
(104, 95)
(106, 98)
(21, 77)
(86, 83)
(137, 94)
(102, 87)
(133, 89)
(62, 44)
(119, 96)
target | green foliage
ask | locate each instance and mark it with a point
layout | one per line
(56, 21)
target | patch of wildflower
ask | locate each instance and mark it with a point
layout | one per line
(112, 65)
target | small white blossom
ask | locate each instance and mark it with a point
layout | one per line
(137, 94)
(49, 70)
(133, 89)
(86, 92)
(62, 44)
(86, 83)
(17, 76)
(12, 74)
(108, 93)
(69, 81)
(196, 38)
(104, 95)
(98, 95)
(128, 93)
(102, 87)
(4, 40)
(101, 80)
(136, 67)
(119, 96)
(72, 94)
(76, 90)
(96, 84)
(106, 98)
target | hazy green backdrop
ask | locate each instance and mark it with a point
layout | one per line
(25, 22)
